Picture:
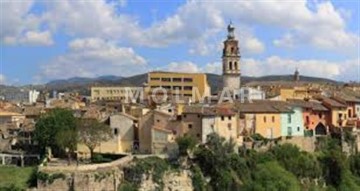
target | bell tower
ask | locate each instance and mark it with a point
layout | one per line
(231, 61)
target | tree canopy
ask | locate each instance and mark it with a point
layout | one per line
(57, 130)
(91, 133)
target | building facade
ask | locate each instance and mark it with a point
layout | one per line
(115, 93)
(292, 124)
(193, 86)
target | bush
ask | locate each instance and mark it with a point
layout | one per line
(185, 143)
(98, 158)
(151, 165)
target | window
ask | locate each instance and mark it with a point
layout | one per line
(222, 118)
(176, 87)
(155, 79)
(230, 65)
(298, 128)
(167, 87)
(184, 116)
(232, 49)
(235, 66)
(229, 126)
(190, 126)
(198, 115)
(289, 118)
(188, 87)
(340, 115)
(169, 110)
(229, 117)
(116, 131)
(198, 135)
(188, 80)
(273, 119)
(264, 119)
(166, 79)
(320, 115)
(177, 80)
(158, 120)
(289, 133)
(188, 95)
(307, 119)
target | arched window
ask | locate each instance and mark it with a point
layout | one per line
(232, 49)
(235, 66)
(230, 65)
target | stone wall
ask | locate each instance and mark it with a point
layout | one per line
(173, 181)
(307, 144)
(94, 177)
(106, 177)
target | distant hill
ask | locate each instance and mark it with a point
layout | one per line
(83, 84)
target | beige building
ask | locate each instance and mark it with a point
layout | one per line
(11, 117)
(184, 85)
(115, 93)
(200, 121)
(157, 131)
(124, 137)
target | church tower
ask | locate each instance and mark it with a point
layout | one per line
(231, 61)
(296, 75)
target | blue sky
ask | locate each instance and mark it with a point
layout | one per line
(46, 40)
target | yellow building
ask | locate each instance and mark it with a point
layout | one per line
(338, 112)
(185, 85)
(263, 117)
(115, 93)
(297, 92)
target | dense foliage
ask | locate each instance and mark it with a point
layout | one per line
(57, 130)
(283, 167)
(60, 131)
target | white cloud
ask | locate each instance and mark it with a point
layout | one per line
(323, 27)
(92, 57)
(190, 67)
(214, 67)
(84, 19)
(196, 23)
(274, 65)
(36, 38)
(185, 66)
(20, 26)
(2, 79)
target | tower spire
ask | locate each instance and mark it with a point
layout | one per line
(231, 30)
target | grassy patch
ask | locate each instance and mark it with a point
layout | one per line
(15, 176)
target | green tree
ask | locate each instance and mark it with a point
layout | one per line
(214, 160)
(302, 164)
(91, 133)
(57, 130)
(185, 144)
(270, 176)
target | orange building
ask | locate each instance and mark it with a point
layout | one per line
(267, 117)
(337, 112)
(314, 115)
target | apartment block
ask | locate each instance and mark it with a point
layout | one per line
(193, 86)
(115, 93)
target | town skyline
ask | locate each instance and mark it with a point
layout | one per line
(184, 36)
